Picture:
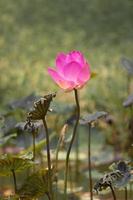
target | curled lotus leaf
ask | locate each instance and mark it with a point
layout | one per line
(108, 179)
(10, 163)
(119, 177)
(125, 168)
(41, 107)
(123, 181)
(88, 119)
(100, 185)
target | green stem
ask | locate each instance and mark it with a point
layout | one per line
(71, 143)
(89, 162)
(48, 160)
(113, 192)
(56, 165)
(48, 196)
(34, 146)
(125, 193)
(77, 159)
(14, 180)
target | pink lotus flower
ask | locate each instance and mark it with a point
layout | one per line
(72, 71)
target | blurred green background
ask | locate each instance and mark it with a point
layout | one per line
(32, 32)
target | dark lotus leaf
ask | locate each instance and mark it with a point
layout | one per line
(123, 166)
(41, 107)
(24, 103)
(61, 108)
(24, 126)
(120, 175)
(100, 185)
(129, 101)
(124, 180)
(111, 178)
(20, 126)
(92, 117)
(128, 65)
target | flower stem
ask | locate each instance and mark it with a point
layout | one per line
(130, 190)
(125, 193)
(71, 143)
(14, 180)
(77, 159)
(56, 166)
(113, 192)
(48, 160)
(89, 162)
(34, 146)
(48, 196)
